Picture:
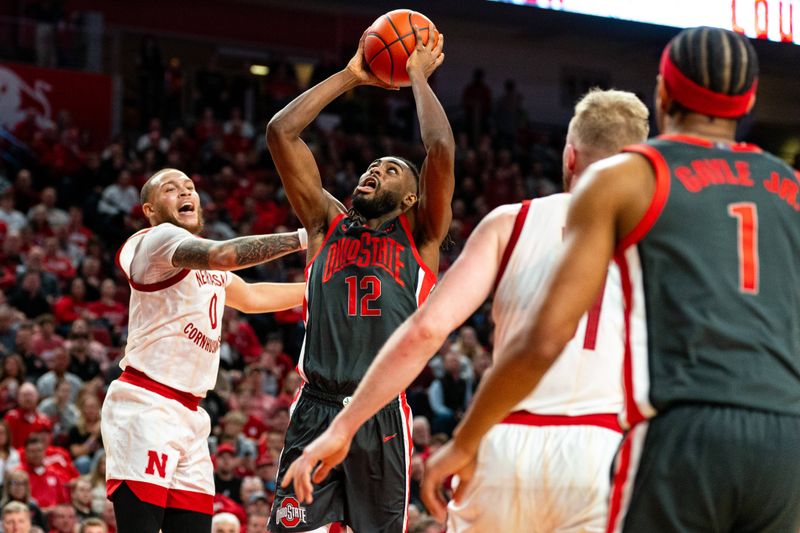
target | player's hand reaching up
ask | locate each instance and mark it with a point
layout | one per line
(426, 57)
(358, 67)
(319, 457)
(448, 460)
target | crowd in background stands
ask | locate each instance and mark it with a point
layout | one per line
(67, 204)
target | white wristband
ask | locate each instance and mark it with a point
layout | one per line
(302, 235)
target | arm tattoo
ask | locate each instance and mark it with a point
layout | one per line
(193, 254)
(262, 248)
(235, 254)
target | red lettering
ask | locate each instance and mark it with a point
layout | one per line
(685, 175)
(330, 262)
(789, 191)
(365, 254)
(762, 25)
(352, 250)
(187, 328)
(773, 183)
(734, 26)
(398, 265)
(743, 171)
(786, 36)
(153, 464)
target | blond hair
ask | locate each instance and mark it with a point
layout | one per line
(606, 121)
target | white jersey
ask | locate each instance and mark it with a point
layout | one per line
(175, 323)
(586, 378)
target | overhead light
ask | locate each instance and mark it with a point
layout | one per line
(259, 70)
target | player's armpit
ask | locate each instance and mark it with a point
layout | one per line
(234, 254)
(263, 297)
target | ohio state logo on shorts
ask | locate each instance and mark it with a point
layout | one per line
(290, 513)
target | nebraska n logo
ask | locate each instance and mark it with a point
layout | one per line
(155, 463)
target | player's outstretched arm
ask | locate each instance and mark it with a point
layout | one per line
(234, 254)
(608, 198)
(263, 297)
(437, 175)
(294, 160)
(465, 287)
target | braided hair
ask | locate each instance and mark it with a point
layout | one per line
(720, 60)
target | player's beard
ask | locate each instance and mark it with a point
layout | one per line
(165, 216)
(377, 205)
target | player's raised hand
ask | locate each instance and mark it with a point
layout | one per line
(426, 57)
(448, 460)
(316, 462)
(358, 67)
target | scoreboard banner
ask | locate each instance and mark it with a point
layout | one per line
(774, 20)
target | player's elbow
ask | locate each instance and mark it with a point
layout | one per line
(442, 147)
(427, 329)
(277, 129)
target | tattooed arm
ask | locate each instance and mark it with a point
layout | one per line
(234, 254)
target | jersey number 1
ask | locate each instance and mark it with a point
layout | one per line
(371, 284)
(746, 216)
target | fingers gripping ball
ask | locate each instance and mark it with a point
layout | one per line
(389, 42)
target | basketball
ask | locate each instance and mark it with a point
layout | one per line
(389, 42)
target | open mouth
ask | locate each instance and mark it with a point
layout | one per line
(186, 208)
(368, 185)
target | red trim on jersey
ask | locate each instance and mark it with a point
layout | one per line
(428, 282)
(519, 222)
(140, 379)
(659, 196)
(190, 501)
(407, 416)
(603, 420)
(331, 228)
(404, 224)
(148, 287)
(632, 413)
(705, 143)
(618, 485)
(164, 497)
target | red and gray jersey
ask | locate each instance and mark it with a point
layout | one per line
(360, 287)
(175, 323)
(711, 280)
(586, 378)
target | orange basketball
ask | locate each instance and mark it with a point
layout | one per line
(389, 42)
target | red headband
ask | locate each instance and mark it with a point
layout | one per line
(697, 98)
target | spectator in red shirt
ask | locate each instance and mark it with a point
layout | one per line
(56, 458)
(72, 306)
(46, 338)
(242, 337)
(23, 420)
(47, 487)
(108, 308)
(56, 261)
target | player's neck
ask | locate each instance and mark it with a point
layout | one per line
(375, 223)
(696, 125)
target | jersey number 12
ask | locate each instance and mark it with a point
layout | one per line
(372, 286)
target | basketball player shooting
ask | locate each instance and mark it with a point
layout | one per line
(158, 470)
(368, 269)
(545, 467)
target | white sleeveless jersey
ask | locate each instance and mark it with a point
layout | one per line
(175, 324)
(586, 378)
